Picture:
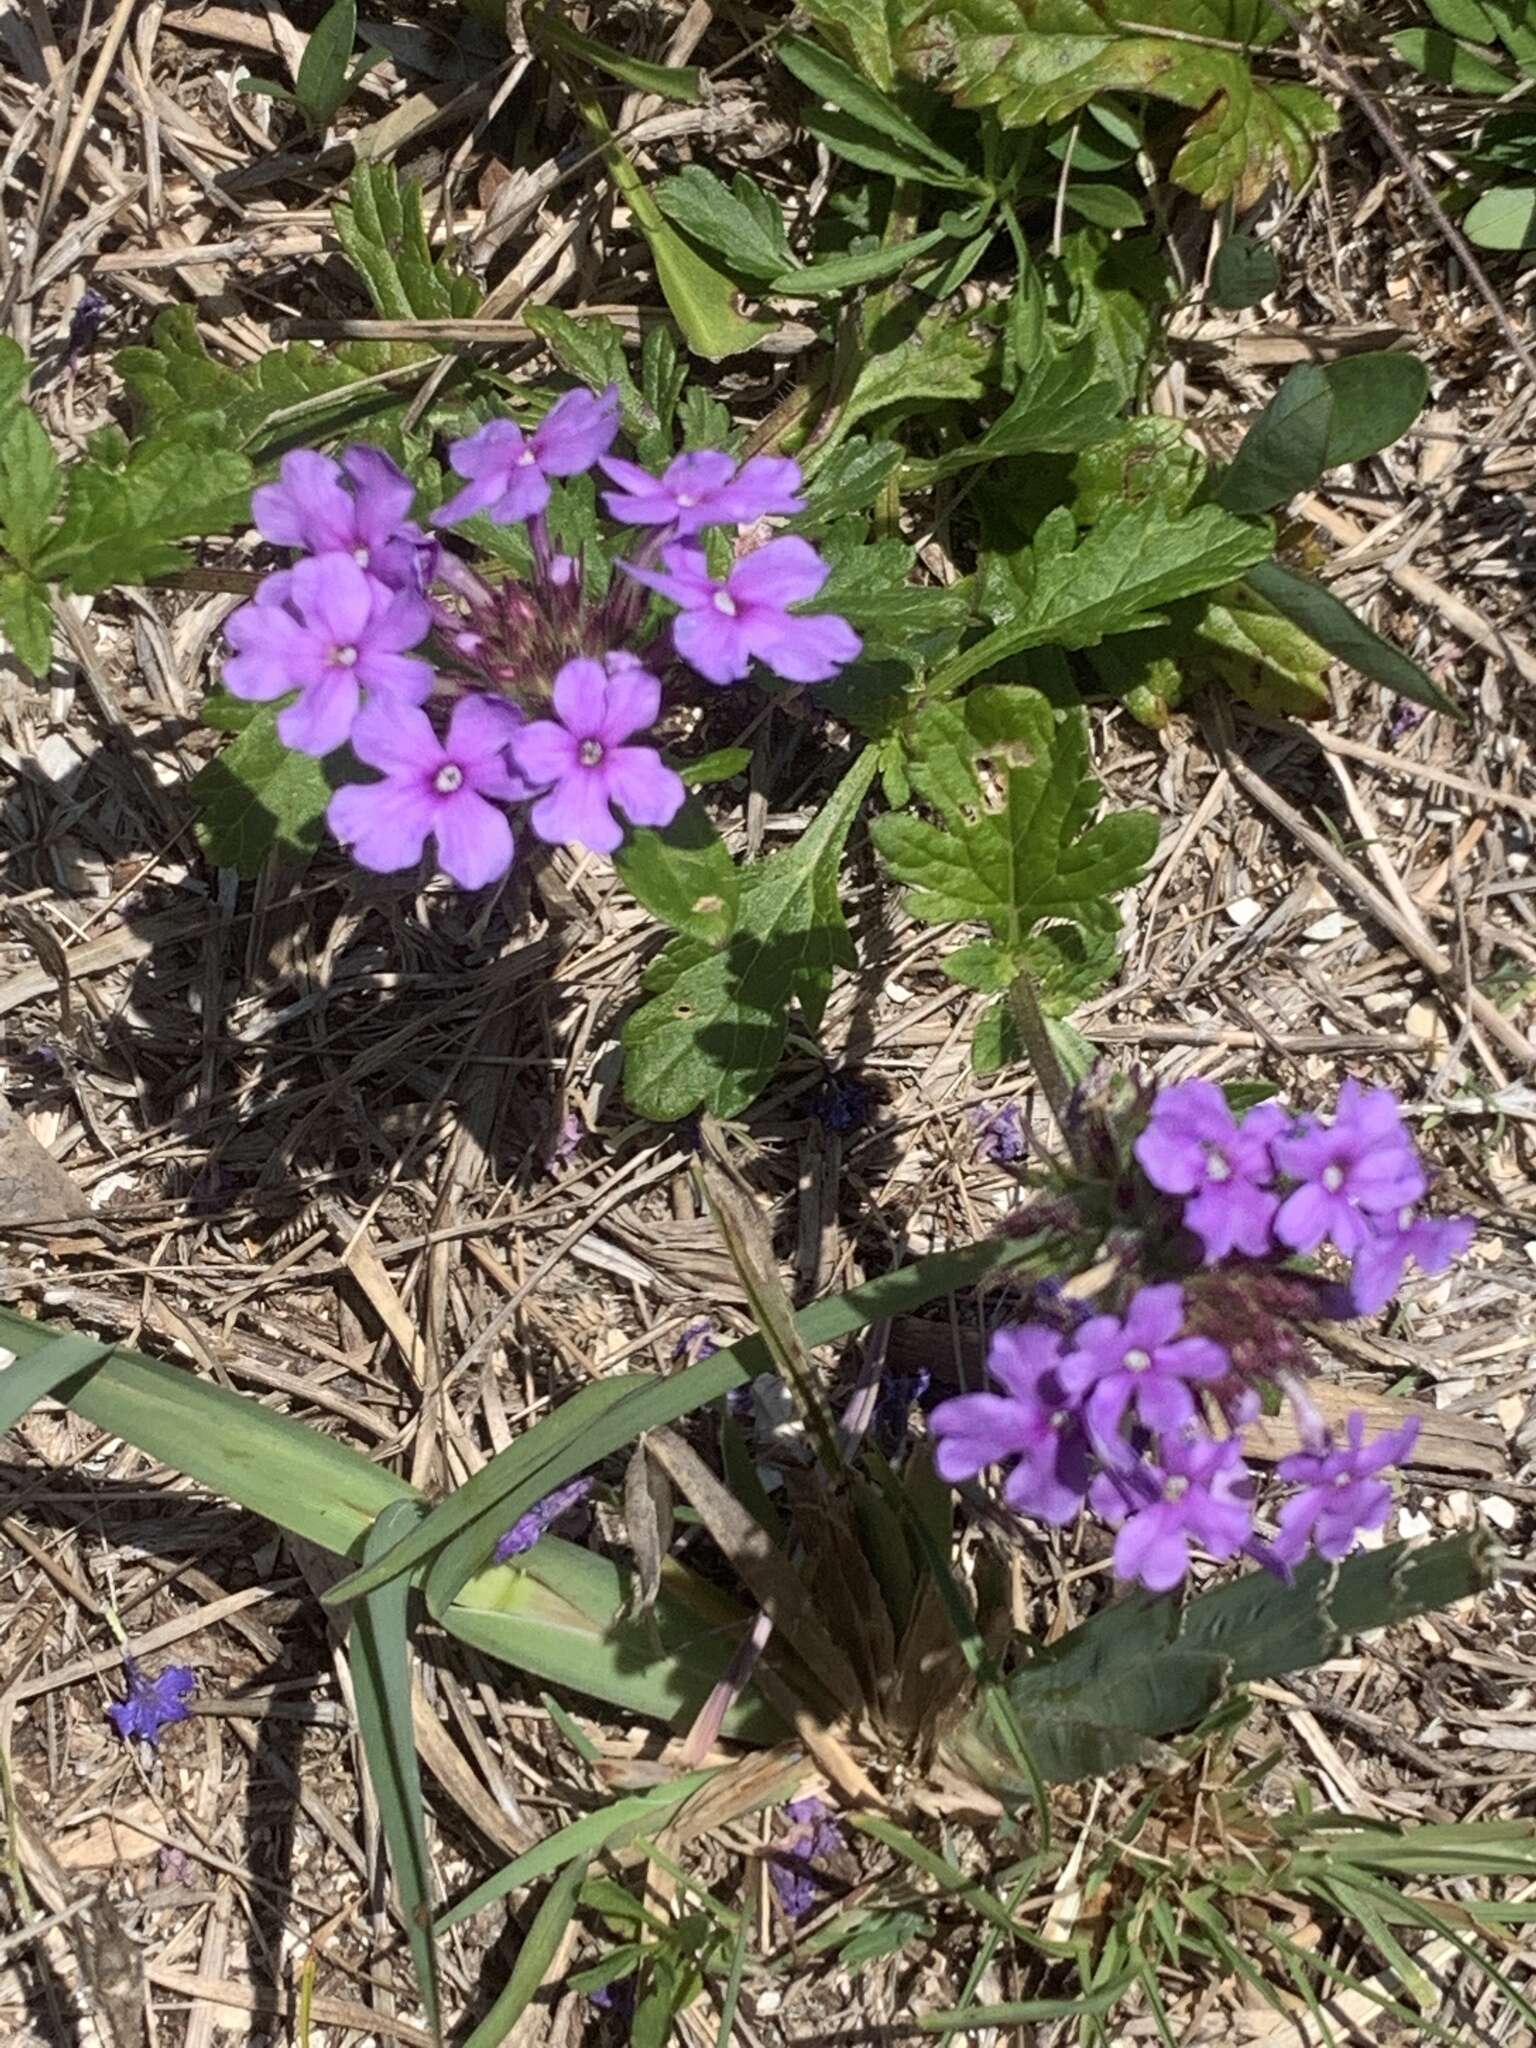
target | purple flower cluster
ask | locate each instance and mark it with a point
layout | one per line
(1137, 1415)
(1273, 1184)
(471, 694)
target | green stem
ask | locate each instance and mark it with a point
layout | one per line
(1029, 1020)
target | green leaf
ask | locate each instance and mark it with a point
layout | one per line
(592, 349)
(26, 620)
(865, 29)
(835, 274)
(380, 1660)
(534, 1959)
(1504, 217)
(266, 89)
(715, 1031)
(1061, 406)
(1245, 271)
(703, 299)
(1464, 18)
(684, 875)
(1115, 579)
(46, 1373)
(1011, 779)
(30, 481)
(1039, 61)
(120, 522)
(1449, 62)
(258, 797)
(14, 369)
(942, 360)
(1106, 206)
(1262, 657)
(663, 373)
(667, 81)
(1333, 625)
(1319, 418)
(748, 234)
(1286, 449)
(832, 80)
(849, 479)
(380, 226)
(321, 84)
(722, 765)
(295, 1477)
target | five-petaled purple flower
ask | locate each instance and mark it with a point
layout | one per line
(1341, 1495)
(1431, 1242)
(447, 789)
(1194, 1146)
(152, 1704)
(1141, 1361)
(508, 471)
(703, 488)
(582, 752)
(355, 507)
(723, 626)
(1032, 1421)
(1198, 1493)
(1352, 1172)
(329, 630)
(529, 1527)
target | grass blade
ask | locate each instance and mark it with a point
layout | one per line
(533, 1958)
(381, 1683)
(45, 1371)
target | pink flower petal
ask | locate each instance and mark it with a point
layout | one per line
(645, 789)
(474, 840)
(576, 813)
(384, 824)
(783, 571)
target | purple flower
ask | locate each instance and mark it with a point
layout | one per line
(1360, 1167)
(1032, 1422)
(1141, 1362)
(581, 751)
(1194, 1146)
(792, 1871)
(999, 1132)
(447, 789)
(84, 325)
(702, 489)
(152, 1703)
(1431, 1242)
(508, 472)
(356, 507)
(842, 1103)
(1341, 1495)
(696, 1342)
(722, 627)
(1199, 1494)
(329, 630)
(529, 1527)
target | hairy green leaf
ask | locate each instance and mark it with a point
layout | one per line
(120, 522)
(257, 797)
(833, 274)
(1116, 578)
(683, 873)
(866, 29)
(14, 369)
(941, 360)
(715, 1026)
(667, 81)
(380, 226)
(1041, 60)
(26, 620)
(1061, 406)
(30, 481)
(738, 221)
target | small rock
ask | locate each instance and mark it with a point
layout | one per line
(1244, 910)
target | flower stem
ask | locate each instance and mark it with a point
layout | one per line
(1034, 1033)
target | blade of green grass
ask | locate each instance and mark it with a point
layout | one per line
(533, 1959)
(33, 1378)
(381, 1684)
(1022, 2012)
(604, 1418)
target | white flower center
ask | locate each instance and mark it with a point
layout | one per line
(527, 459)
(1405, 1219)
(724, 602)
(360, 556)
(344, 657)
(1175, 1487)
(589, 753)
(1216, 1167)
(687, 499)
(1137, 1360)
(1343, 1478)
(448, 778)
(1333, 1178)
